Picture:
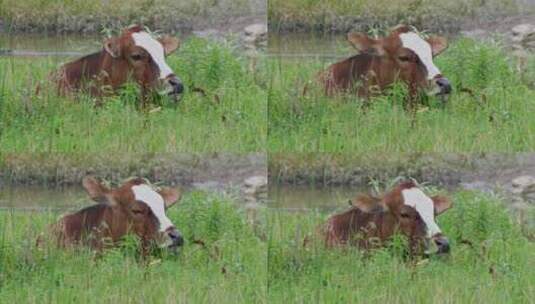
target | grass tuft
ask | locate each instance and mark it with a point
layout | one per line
(489, 109)
(490, 261)
(230, 267)
(234, 121)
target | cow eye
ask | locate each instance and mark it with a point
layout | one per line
(405, 215)
(404, 58)
(137, 210)
(136, 57)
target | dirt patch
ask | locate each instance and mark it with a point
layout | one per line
(448, 170)
(163, 15)
(222, 169)
(496, 174)
(450, 17)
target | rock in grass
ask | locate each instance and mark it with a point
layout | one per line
(524, 36)
(523, 182)
(255, 34)
(524, 186)
(255, 186)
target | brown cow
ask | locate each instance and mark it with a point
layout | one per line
(135, 207)
(134, 54)
(403, 55)
(406, 209)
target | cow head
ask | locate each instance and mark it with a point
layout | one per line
(144, 57)
(142, 207)
(409, 56)
(415, 212)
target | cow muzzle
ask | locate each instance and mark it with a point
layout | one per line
(442, 244)
(174, 239)
(173, 87)
(443, 86)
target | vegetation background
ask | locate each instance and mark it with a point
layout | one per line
(490, 261)
(79, 16)
(231, 117)
(230, 266)
(344, 15)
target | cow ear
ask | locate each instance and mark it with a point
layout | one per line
(170, 196)
(96, 190)
(368, 203)
(441, 204)
(438, 44)
(113, 47)
(398, 29)
(170, 44)
(363, 43)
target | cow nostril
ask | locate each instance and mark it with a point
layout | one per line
(176, 238)
(179, 241)
(179, 88)
(442, 245)
(444, 85)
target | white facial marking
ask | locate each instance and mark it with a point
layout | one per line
(156, 51)
(423, 204)
(155, 202)
(422, 48)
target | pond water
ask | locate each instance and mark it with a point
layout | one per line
(51, 45)
(290, 45)
(303, 45)
(73, 197)
(43, 197)
(296, 198)
(42, 45)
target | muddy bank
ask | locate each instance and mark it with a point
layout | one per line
(95, 17)
(449, 25)
(447, 170)
(448, 17)
(509, 176)
(215, 170)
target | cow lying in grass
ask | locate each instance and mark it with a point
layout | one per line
(372, 221)
(133, 208)
(135, 55)
(401, 56)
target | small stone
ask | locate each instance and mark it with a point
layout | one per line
(523, 29)
(255, 186)
(524, 36)
(523, 181)
(255, 33)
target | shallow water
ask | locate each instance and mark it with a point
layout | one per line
(42, 45)
(43, 198)
(30, 45)
(305, 45)
(289, 45)
(296, 198)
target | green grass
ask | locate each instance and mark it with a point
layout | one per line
(495, 117)
(230, 269)
(495, 268)
(341, 15)
(491, 261)
(48, 123)
(93, 16)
